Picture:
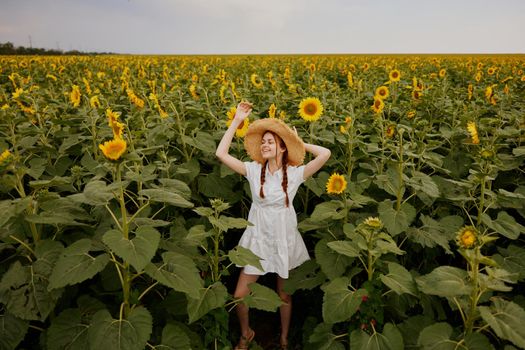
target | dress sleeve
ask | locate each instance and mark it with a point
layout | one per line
(251, 170)
(295, 176)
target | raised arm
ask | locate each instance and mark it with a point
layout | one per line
(321, 155)
(222, 152)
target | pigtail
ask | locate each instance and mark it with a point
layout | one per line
(263, 175)
(285, 177)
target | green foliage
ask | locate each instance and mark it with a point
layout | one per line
(139, 252)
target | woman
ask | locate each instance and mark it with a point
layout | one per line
(274, 176)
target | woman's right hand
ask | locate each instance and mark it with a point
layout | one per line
(244, 109)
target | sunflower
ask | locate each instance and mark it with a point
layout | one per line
(442, 72)
(74, 96)
(467, 237)
(390, 131)
(382, 92)
(373, 222)
(118, 129)
(336, 184)
(242, 128)
(411, 114)
(416, 94)
(491, 70)
(4, 157)
(231, 115)
(470, 90)
(473, 131)
(310, 109)
(394, 75)
(112, 117)
(271, 110)
(256, 81)
(478, 76)
(350, 79)
(378, 105)
(113, 149)
(193, 92)
(18, 92)
(94, 102)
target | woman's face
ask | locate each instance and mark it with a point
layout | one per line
(270, 148)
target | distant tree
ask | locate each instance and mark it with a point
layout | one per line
(9, 49)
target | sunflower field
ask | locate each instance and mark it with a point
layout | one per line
(119, 226)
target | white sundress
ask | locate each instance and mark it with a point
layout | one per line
(274, 236)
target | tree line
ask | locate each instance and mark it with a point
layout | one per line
(9, 48)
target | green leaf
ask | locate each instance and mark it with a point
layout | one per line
(166, 196)
(241, 256)
(174, 338)
(262, 298)
(478, 341)
(224, 223)
(504, 224)
(512, 259)
(332, 210)
(178, 272)
(203, 141)
(204, 211)
(131, 333)
(210, 298)
(434, 233)
(445, 281)
(322, 338)
(97, 193)
(306, 276)
(390, 339)
(178, 186)
(332, 263)
(137, 251)
(67, 331)
(437, 337)
(506, 319)
(23, 289)
(12, 331)
(390, 181)
(340, 303)
(197, 235)
(346, 248)
(76, 265)
(421, 182)
(396, 221)
(399, 280)
(412, 327)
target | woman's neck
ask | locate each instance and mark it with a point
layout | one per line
(274, 165)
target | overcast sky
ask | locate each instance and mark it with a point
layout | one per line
(266, 26)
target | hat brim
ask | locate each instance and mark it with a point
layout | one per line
(255, 133)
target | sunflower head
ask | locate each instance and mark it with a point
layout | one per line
(310, 109)
(390, 131)
(467, 237)
(382, 92)
(5, 157)
(378, 105)
(442, 72)
(254, 78)
(272, 110)
(336, 184)
(394, 75)
(113, 149)
(373, 222)
(411, 114)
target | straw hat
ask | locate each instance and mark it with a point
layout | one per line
(256, 130)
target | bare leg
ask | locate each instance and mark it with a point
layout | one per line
(285, 310)
(242, 310)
